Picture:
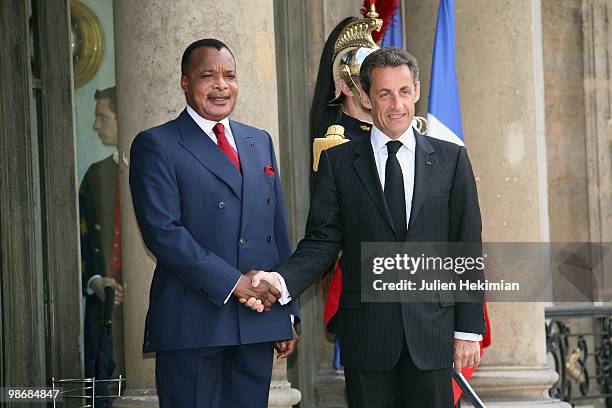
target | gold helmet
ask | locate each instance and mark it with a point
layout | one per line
(353, 45)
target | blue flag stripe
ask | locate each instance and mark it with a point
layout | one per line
(393, 33)
(443, 93)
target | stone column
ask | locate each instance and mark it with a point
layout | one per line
(281, 393)
(500, 74)
(150, 36)
(597, 35)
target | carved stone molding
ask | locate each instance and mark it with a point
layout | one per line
(597, 59)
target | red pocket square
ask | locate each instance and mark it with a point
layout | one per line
(269, 170)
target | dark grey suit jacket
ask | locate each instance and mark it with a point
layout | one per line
(347, 208)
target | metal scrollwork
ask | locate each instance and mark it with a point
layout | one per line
(570, 353)
(557, 346)
(603, 360)
(577, 366)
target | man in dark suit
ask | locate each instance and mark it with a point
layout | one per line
(210, 208)
(101, 236)
(396, 186)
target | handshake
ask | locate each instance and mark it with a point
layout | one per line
(258, 290)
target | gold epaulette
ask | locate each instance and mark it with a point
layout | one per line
(333, 137)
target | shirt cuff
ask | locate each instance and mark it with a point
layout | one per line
(231, 291)
(285, 296)
(90, 291)
(468, 336)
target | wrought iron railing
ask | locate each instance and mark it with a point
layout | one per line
(579, 344)
(89, 392)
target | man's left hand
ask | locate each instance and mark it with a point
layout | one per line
(467, 354)
(285, 348)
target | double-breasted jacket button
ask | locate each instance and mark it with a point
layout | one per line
(269, 238)
(242, 241)
(222, 204)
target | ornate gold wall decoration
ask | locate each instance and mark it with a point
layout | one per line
(87, 42)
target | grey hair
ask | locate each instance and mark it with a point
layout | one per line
(386, 57)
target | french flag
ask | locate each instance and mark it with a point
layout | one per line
(443, 112)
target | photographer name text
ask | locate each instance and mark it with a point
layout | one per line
(438, 285)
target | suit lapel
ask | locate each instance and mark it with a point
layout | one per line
(252, 175)
(425, 168)
(365, 165)
(193, 138)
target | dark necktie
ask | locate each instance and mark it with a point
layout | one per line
(394, 189)
(225, 145)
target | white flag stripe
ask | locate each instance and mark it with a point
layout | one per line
(437, 129)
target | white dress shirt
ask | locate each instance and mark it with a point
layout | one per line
(406, 157)
(207, 126)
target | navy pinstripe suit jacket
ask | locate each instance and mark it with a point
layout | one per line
(206, 223)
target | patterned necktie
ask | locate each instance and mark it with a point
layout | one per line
(394, 189)
(225, 145)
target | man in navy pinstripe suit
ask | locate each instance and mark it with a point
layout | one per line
(396, 186)
(210, 208)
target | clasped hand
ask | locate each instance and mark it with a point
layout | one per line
(258, 290)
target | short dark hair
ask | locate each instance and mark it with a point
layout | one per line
(205, 42)
(110, 94)
(386, 57)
